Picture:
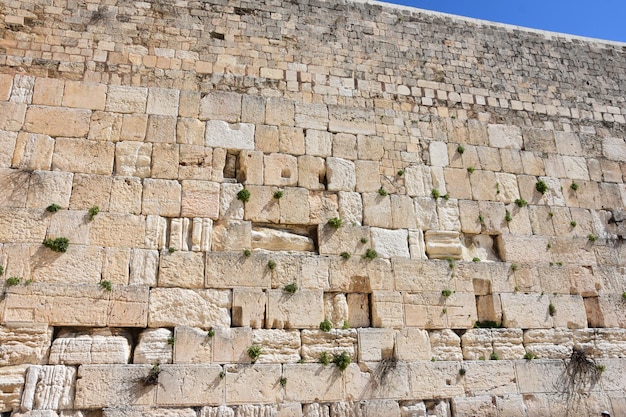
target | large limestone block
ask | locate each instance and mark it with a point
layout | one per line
(7, 147)
(311, 172)
(194, 162)
(347, 238)
(154, 346)
(280, 240)
(117, 230)
(192, 345)
(521, 249)
(190, 385)
(378, 380)
(11, 387)
(311, 116)
(526, 311)
(221, 105)
(234, 269)
(91, 190)
(154, 412)
(49, 388)
(57, 121)
(280, 170)
(387, 309)
(334, 342)
(47, 186)
(291, 140)
(443, 245)
(231, 235)
(230, 207)
(90, 347)
(549, 343)
(122, 99)
(230, 345)
(360, 275)
(15, 185)
(614, 149)
(262, 206)
(106, 126)
(481, 405)
(220, 134)
(340, 174)
(351, 120)
(23, 225)
(477, 344)
(445, 345)
(489, 378)
(412, 344)
(435, 380)
(200, 199)
(163, 101)
(416, 275)
(610, 343)
(144, 264)
(390, 243)
(367, 176)
(336, 309)
(350, 207)
(505, 136)
(12, 116)
(161, 197)
(278, 346)
(182, 269)
(166, 161)
(294, 206)
(570, 311)
(256, 384)
(377, 211)
(79, 265)
(133, 158)
(84, 95)
(318, 142)
(84, 156)
(313, 382)
(126, 195)
(539, 376)
(425, 310)
(33, 151)
(303, 309)
(24, 343)
(197, 308)
(101, 386)
(375, 344)
(253, 109)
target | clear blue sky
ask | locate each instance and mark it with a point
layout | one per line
(603, 19)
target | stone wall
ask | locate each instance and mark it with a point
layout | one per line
(256, 195)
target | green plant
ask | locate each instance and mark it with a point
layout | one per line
(210, 332)
(60, 244)
(153, 375)
(446, 292)
(171, 341)
(549, 246)
(1, 270)
(573, 186)
(481, 219)
(254, 352)
(497, 188)
(494, 357)
(573, 223)
(521, 202)
(243, 195)
(370, 254)
(513, 267)
(471, 169)
(444, 311)
(53, 208)
(364, 240)
(12, 281)
(462, 371)
(551, 213)
(93, 211)
(326, 325)
(222, 374)
(324, 358)
(345, 255)
(271, 264)
(434, 193)
(460, 149)
(283, 382)
(247, 253)
(529, 356)
(487, 324)
(450, 262)
(541, 186)
(433, 359)
(291, 288)
(342, 360)
(278, 194)
(624, 296)
(335, 222)
(106, 285)
(28, 282)
(507, 216)
(552, 309)
(346, 325)
(475, 259)
(400, 173)
(382, 192)
(592, 237)
(446, 197)
(171, 249)
(601, 368)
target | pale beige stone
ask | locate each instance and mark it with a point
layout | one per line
(48, 91)
(266, 138)
(505, 136)
(99, 386)
(46, 187)
(412, 344)
(390, 243)
(33, 151)
(200, 199)
(196, 308)
(279, 240)
(122, 99)
(484, 185)
(221, 411)
(294, 206)
(313, 382)
(519, 249)
(90, 347)
(15, 185)
(79, 265)
(190, 385)
(351, 120)
(614, 149)
(311, 116)
(280, 170)
(318, 143)
(231, 235)
(11, 386)
(360, 275)
(344, 146)
(442, 245)
(291, 140)
(190, 131)
(89, 191)
(387, 309)
(84, 95)
(161, 197)
(526, 311)
(253, 109)
(221, 134)
(57, 121)
(370, 147)
(347, 238)
(115, 265)
(249, 307)
(134, 127)
(117, 230)
(333, 342)
(426, 213)
(153, 346)
(286, 311)
(435, 380)
(445, 345)
(84, 156)
(49, 388)
(23, 225)
(278, 346)
(570, 311)
(336, 309)
(106, 126)
(12, 116)
(161, 129)
(24, 344)
(251, 167)
(311, 172)
(192, 345)
(438, 152)
(221, 105)
(133, 159)
(125, 195)
(165, 160)
(377, 210)
(162, 101)
(340, 174)
(182, 269)
(7, 147)
(253, 384)
(375, 344)
(350, 207)
(279, 112)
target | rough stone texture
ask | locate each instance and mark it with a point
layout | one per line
(49, 388)
(154, 346)
(92, 347)
(196, 308)
(24, 344)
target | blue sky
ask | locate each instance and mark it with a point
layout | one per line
(604, 19)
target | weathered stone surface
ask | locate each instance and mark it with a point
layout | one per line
(85, 156)
(231, 235)
(133, 158)
(549, 343)
(23, 225)
(221, 134)
(526, 311)
(445, 345)
(33, 151)
(154, 346)
(316, 342)
(161, 197)
(192, 345)
(280, 240)
(347, 238)
(162, 101)
(24, 344)
(11, 386)
(442, 245)
(340, 174)
(182, 269)
(231, 345)
(288, 311)
(390, 243)
(156, 412)
(99, 386)
(49, 388)
(351, 120)
(387, 309)
(189, 385)
(122, 99)
(412, 344)
(200, 199)
(360, 275)
(196, 308)
(253, 384)
(231, 270)
(90, 347)
(434, 380)
(278, 346)
(117, 230)
(57, 121)
(313, 382)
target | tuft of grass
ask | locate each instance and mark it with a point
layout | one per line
(507, 216)
(243, 195)
(552, 309)
(450, 262)
(481, 219)
(487, 324)
(326, 325)
(364, 240)
(541, 186)
(530, 356)
(342, 360)
(291, 288)
(513, 267)
(1, 270)
(460, 149)
(324, 358)
(471, 169)
(171, 341)
(475, 259)
(247, 253)
(494, 357)
(435, 193)
(210, 332)
(551, 213)
(222, 375)
(573, 186)
(53, 208)
(400, 173)
(271, 264)
(446, 293)
(624, 296)
(521, 202)
(370, 254)
(106, 285)
(278, 194)
(600, 368)
(462, 371)
(346, 325)
(592, 237)
(335, 222)
(345, 255)
(573, 223)
(13, 281)
(93, 212)
(171, 249)
(60, 244)
(254, 352)
(153, 375)
(283, 382)
(446, 197)
(382, 192)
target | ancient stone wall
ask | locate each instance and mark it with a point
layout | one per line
(307, 208)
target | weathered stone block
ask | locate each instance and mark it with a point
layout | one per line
(442, 245)
(412, 344)
(360, 275)
(231, 235)
(24, 344)
(347, 238)
(15, 183)
(231, 345)
(12, 116)
(220, 134)
(11, 387)
(46, 186)
(287, 311)
(23, 225)
(336, 341)
(57, 121)
(277, 346)
(85, 156)
(192, 345)
(434, 380)
(162, 101)
(313, 382)
(197, 308)
(340, 174)
(318, 143)
(526, 311)
(161, 197)
(33, 151)
(189, 385)
(200, 199)
(84, 95)
(96, 346)
(377, 210)
(390, 243)
(49, 388)
(253, 384)
(154, 346)
(99, 386)
(228, 270)
(122, 99)
(48, 91)
(280, 170)
(445, 345)
(182, 269)
(351, 120)
(133, 158)
(387, 309)
(117, 230)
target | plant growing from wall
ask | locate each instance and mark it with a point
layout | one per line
(1, 270)
(573, 186)
(592, 237)
(573, 223)
(434, 193)
(552, 309)
(278, 194)
(254, 352)
(153, 375)
(446, 293)
(471, 169)
(53, 208)
(93, 212)
(462, 371)
(342, 360)
(346, 255)
(624, 296)
(326, 325)
(529, 356)
(541, 186)
(283, 382)
(247, 253)
(210, 333)
(346, 325)
(335, 222)
(364, 240)
(487, 324)
(291, 288)
(271, 265)
(521, 202)
(481, 219)
(460, 149)
(106, 285)
(370, 254)
(507, 216)
(60, 244)
(171, 341)
(581, 373)
(475, 259)
(243, 195)
(324, 358)
(382, 192)
(494, 357)
(13, 281)
(400, 173)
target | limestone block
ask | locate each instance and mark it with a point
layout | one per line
(221, 411)
(350, 207)
(377, 210)
(200, 199)
(57, 121)
(85, 156)
(90, 190)
(249, 307)
(314, 272)
(318, 142)
(253, 384)
(15, 183)
(347, 238)
(122, 99)
(49, 388)
(146, 412)
(125, 195)
(162, 197)
(370, 147)
(251, 167)
(33, 151)
(45, 187)
(291, 140)
(101, 386)
(7, 147)
(390, 243)
(196, 308)
(278, 346)
(190, 385)
(313, 382)
(133, 158)
(279, 240)
(134, 127)
(228, 270)
(538, 376)
(367, 176)
(182, 269)
(286, 311)
(180, 230)
(484, 185)
(143, 267)
(490, 378)
(442, 245)
(262, 207)
(360, 275)
(220, 134)
(375, 344)
(445, 345)
(434, 380)
(539, 140)
(316, 410)
(279, 112)
(11, 386)
(161, 129)
(23, 225)
(614, 149)
(117, 230)
(84, 95)
(526, 311)
(190, 131)
(106, 126)
(281, 170)
(194, 162)
(163, 101)
(351, 120)
(475, 405)
(24, 344)
(519, 249)
(417, 245)
(192, 345)
(311, 172)
(610, 343)
(387, 309)
(12, 116)
(95, 346)
(426, 310)
(253, 109)
(418, 181)
(458, 183)
(340, 174)
(549, 343)
(344, 146)
(79, 265)
(448, 213)
(230, 345)
(426, 213)
(438, 154)
(221, 105)
(403, 212)
(322, 206)
(570, 311)
(48, 91)
(334, 342)
(230, 206)
(267, 138)
(294, 206)
(231, 235)
(311, 116)
(505, 136)
(412, 344)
